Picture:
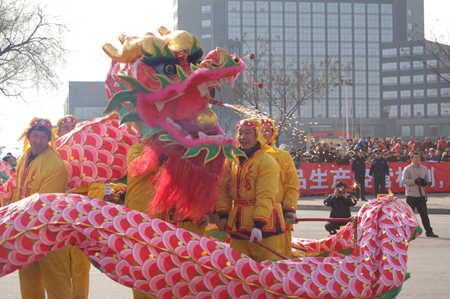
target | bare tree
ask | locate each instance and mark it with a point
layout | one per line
(435, 55)
(287, 85)
(31, 47)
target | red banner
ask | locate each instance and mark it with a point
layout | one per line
(316, 178)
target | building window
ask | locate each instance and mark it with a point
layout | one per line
(431, 78)
(410, 13)
(418, 110)
(417, 65)
(406, 131)
(389, 80)
(418, 50)
(405, 94)
(389, 66)
(206, 9)
(418, 93)
(405, 79)
(445, 92)
(432, 93)
(418, 79)
(389, 52)
(390, 111)
(445, 109)
(405, 111)
(206, 35)
(418, 130)
(386, 8)
(405, 65)
(432, 109)
(234, 5)
(389, 95)
(432, 130)
(206, 23)
(410, 26)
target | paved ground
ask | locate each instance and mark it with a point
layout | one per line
(428, 263)
(438, 203)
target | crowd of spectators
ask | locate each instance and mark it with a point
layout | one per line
(393, 150)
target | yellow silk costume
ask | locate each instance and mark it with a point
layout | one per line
(288, 189)
(45, 174)
(252, 187)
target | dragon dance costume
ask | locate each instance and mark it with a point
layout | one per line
(288, 187)
(252, 185)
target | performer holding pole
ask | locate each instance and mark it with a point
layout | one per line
(288, 187)
(41, 170)
(252, 183)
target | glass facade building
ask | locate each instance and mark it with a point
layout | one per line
(391, 93)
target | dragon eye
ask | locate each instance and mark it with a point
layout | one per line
(169, 69)
(199, 61)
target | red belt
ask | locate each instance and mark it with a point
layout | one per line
(245, 202)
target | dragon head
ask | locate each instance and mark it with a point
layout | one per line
(164, 82)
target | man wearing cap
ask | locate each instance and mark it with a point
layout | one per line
(379, 169)
(288, 187)
(359, 172)
(65, 125)
(415, 177)
(340, 204)
(41, 170)
(251, 183)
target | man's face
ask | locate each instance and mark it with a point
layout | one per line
(427, 140)
(378, 155)
(416, 159)
(38, 141)
(304, 159)
(432, 153)
(64, 129)
(360, 154)
(267, 132)
(247, 137)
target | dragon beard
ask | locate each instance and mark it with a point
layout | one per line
(187, 186)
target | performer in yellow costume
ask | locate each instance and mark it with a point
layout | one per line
(252, 183)
(65, 125)
(79, 263)
(41, 170)
(288, 187)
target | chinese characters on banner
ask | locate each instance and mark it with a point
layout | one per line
(316, 178)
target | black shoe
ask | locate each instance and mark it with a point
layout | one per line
(431, 235)
(363, 199)
(332, 232)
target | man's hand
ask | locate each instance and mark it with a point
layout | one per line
(336, 192)
(256, 234)
(290, 218)
(222, 224)
(205, 222)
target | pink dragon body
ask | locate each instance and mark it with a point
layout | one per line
(165, 261)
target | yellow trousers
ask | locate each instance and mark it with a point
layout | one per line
(257, 252)
(51, 273)
(288, 242)
(79, 270)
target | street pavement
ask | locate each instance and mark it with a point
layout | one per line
(428, 258)
(438, 203)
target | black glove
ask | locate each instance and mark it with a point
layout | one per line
(425, 183)
(418, 181)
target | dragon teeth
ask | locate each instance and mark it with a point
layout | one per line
(229, 135)
(160, 105)
(203, 89)
(201, 135)
(188, 137)
(170, 121)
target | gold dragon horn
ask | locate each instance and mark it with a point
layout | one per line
(132, 47)
(164, 31)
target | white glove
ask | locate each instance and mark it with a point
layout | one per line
(256, 234)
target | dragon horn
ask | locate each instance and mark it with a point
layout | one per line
(164, 31)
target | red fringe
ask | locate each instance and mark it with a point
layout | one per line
(186, 185)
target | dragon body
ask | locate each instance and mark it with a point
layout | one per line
(165, 261)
